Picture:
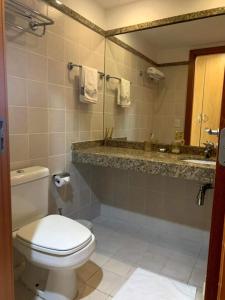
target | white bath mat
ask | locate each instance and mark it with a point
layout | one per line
(144, 285)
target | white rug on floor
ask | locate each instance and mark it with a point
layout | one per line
(144, 285)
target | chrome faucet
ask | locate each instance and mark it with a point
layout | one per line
(208, 151)
(201, 194)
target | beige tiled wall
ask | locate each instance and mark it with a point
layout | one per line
(45, 115)
(170, 104)
(134, 122)
(164, 198)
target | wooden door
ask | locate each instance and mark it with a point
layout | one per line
(213, 87)
(208, 87)
(199, 82)
(194, 54)
(6, 270)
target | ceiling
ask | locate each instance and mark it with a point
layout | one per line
(113, 3)
(189, 34)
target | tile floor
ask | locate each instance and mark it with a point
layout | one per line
(122, 248)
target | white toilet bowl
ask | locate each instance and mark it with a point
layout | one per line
(60, 245)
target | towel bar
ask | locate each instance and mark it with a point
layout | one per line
(34, 18)
(112, 77)
(108, 77)
(70, 67)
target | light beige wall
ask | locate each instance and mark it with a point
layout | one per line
(109, 16)
(145, 10)
(136, 41)
(173, 55)
(180, 54)
(89, 9)
(45, 115)
(134, 122)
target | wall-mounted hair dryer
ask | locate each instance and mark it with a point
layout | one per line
(155, 74)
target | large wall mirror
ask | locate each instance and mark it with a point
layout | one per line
(180, 94)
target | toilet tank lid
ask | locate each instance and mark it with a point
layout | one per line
(25, 175)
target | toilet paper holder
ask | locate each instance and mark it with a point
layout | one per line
(61, 179)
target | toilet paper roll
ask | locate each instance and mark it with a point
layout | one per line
(61, 181)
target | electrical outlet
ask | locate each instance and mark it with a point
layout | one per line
(179, 135)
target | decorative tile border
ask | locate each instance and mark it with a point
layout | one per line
(125, 144)
(168, 21)
(120, 43)
(76, 16)
(171, 64)
(132, 50)
(138, 27)
(86, 144)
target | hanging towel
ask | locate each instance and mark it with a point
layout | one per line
(88, 85)
(123, 93)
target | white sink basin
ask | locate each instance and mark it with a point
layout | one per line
(200, 161)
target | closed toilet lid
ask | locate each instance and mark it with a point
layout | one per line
(55, 234)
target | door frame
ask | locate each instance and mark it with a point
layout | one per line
(218, 212)
(6, 265)
(217, 225)
(190, 85)
(221, 289)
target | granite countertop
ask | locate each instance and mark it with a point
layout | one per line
(157, 163)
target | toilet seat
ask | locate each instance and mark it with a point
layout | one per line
(55, 235)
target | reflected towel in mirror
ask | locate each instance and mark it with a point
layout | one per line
(123, 93)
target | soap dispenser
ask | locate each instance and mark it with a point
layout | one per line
(178, 141)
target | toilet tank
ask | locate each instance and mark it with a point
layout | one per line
(29, 195)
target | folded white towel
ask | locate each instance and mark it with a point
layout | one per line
(88, 85)
(123, 93)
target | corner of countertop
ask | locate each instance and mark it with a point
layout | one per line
(85, 145)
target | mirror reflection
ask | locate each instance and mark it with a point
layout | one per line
(171, 91)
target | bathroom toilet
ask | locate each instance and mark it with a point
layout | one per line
(53, 242)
